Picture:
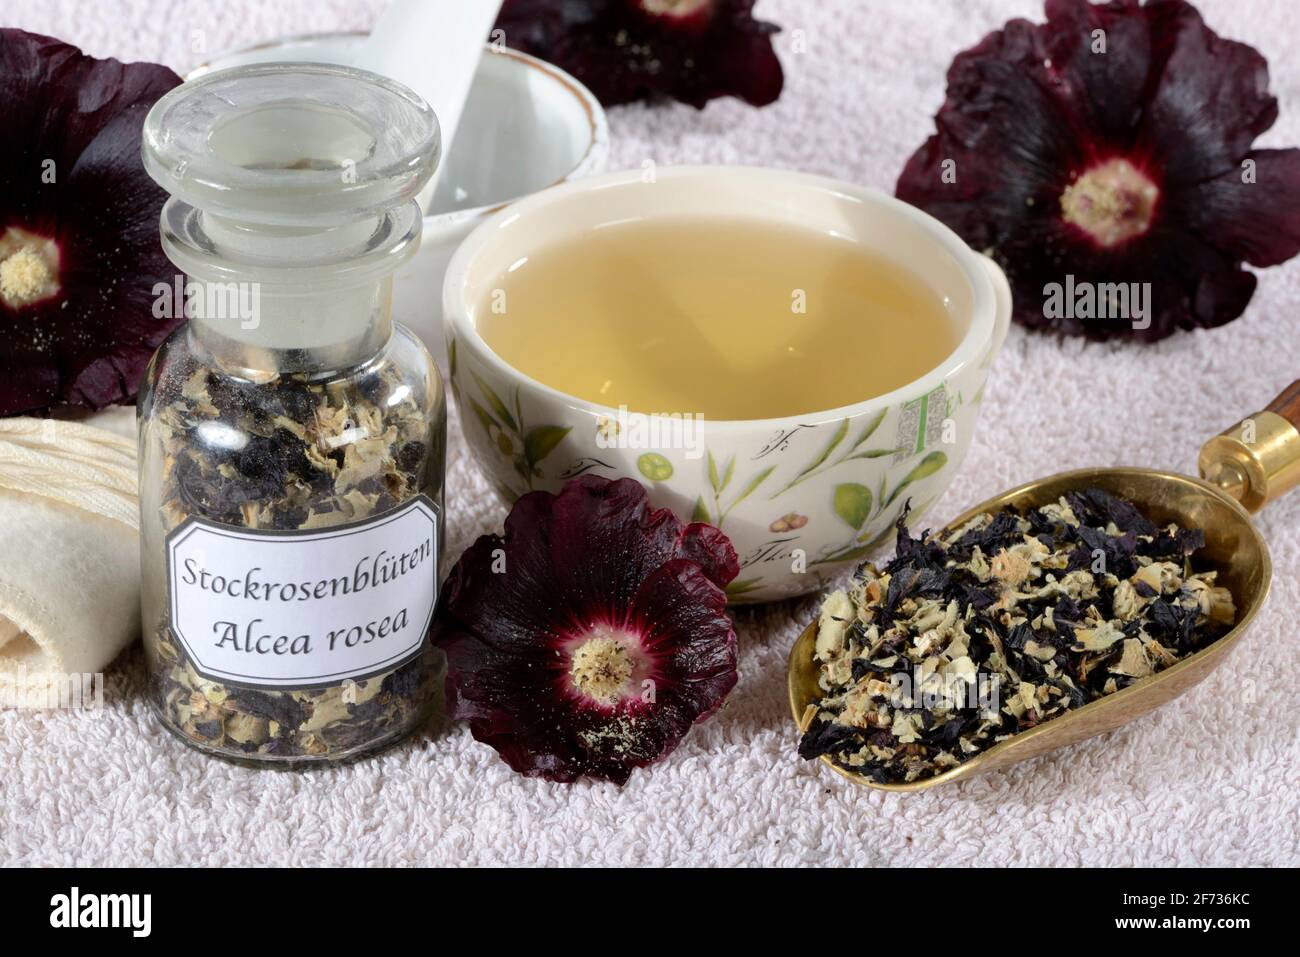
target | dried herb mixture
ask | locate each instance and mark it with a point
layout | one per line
(295, 452)
(1008, 621)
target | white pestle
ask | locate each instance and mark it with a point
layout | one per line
(433, 46)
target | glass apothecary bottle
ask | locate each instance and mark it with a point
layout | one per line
(292, 436)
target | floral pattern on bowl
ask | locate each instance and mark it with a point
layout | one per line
(801, 504)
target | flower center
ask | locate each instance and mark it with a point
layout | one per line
(674, 8)
(1112, 202)
(29, 268)
(601, 667)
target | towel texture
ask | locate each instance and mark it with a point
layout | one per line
(1214, 778)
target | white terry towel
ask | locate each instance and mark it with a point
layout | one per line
(69, 549)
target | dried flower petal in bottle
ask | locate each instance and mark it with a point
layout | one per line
(292, 437)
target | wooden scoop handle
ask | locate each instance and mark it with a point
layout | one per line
(1258, 459)
(1287, 404)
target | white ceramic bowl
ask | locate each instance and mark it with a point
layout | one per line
(527, 125)
(802, 498)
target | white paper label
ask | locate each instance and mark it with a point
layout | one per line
(304, 609)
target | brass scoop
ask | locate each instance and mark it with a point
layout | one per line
(1245, 467)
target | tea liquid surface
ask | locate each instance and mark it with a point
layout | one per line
(731, 319)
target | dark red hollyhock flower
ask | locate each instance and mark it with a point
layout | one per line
(589, 639)
(626, 50)
(1132, 165)
(79, 248)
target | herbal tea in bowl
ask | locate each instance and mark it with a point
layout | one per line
(787, 357)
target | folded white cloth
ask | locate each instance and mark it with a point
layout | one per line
(69, 548)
